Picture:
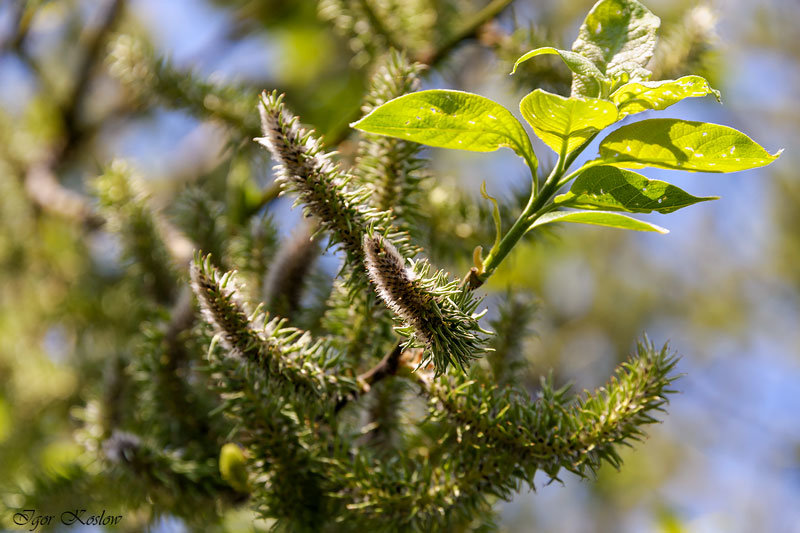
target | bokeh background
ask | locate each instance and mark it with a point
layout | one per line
(82, 82)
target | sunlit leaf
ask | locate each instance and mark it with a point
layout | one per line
(449, 119)
(597, 218)
(616, 189)
(591, 77)
(566, 123)
(619, 37)
(684, 145)
(636, 97)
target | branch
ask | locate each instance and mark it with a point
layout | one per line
(41, 182)
(21, 21)
(90, 58)
(387, 367)
(44, 189)
(468, 31)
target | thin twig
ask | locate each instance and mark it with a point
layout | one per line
(387, 367)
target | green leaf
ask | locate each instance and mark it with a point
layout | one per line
(566, 123)
(450, 119)
(616, 189)
(590, 76)
(683, 145)
(619, 37)
(597, 218)
(641, 96)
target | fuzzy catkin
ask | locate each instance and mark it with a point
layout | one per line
(436, 312)
(324, 191)
(289, 358)
(304, 168)
(395, 284)
(223, 309)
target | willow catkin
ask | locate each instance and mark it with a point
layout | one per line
(395, 284)
(436, 312)
(305, 169)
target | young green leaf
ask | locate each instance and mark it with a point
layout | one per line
(616, 189)
(597, 218)
(683, 145)
(450, 119)
(619, 37)
(564, 124)
(592, 79)
(636, 97)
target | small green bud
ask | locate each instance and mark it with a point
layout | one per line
(232, 466)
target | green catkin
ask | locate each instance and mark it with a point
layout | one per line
(297, 364)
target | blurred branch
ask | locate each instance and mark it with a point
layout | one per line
(41, 181)
(380, 27)
(469, 30)
(288, 273)
(44, 189)
(20, 17)
(94, 47)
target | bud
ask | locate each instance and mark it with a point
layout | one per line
(233, 467)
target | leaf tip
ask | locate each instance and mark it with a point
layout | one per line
(483, 191)
(659, 229)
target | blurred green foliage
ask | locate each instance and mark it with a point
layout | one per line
(81, 323)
